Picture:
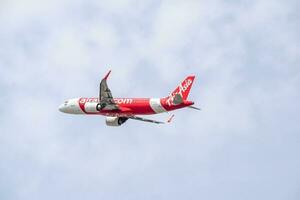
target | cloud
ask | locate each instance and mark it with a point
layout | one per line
(243, 144)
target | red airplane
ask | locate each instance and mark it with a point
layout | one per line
(119, 110)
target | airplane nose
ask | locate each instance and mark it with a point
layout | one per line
(61, 108)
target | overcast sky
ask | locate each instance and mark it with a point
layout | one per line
(244, 144)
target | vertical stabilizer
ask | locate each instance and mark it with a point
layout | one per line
(181, 93)
(184, 88)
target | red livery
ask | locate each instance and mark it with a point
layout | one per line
(119, 110)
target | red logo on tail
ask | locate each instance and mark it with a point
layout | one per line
(183, 90)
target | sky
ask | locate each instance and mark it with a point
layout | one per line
(244, 144)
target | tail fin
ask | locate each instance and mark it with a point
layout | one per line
(184, 88)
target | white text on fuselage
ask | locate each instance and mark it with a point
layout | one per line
(96, 100)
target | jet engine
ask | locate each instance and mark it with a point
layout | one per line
(115, 121)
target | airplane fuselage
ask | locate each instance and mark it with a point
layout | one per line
(119, 110)
(127, 106)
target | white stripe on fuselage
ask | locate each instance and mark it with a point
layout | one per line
(90, 107)
(156, 105)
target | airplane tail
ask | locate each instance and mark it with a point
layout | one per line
(182, 91)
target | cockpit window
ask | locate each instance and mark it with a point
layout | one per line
(66, 103)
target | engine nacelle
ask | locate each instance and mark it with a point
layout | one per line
(115, 121)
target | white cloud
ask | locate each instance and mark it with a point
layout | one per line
(245, 57)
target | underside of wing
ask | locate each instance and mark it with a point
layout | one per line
(145, 120)
(106, 100)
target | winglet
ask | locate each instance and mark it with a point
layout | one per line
(171, 118)
(107, 75)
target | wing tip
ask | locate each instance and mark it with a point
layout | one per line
(107, 75)
(170, 119)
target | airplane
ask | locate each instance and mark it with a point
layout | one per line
(118, 110)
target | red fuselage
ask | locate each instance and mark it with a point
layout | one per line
(127, 106)
(119, 110)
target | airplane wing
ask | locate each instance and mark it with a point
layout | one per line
(150, 120)
(145, 120)
(105, 97)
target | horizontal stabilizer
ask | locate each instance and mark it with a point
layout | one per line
(195, 108)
